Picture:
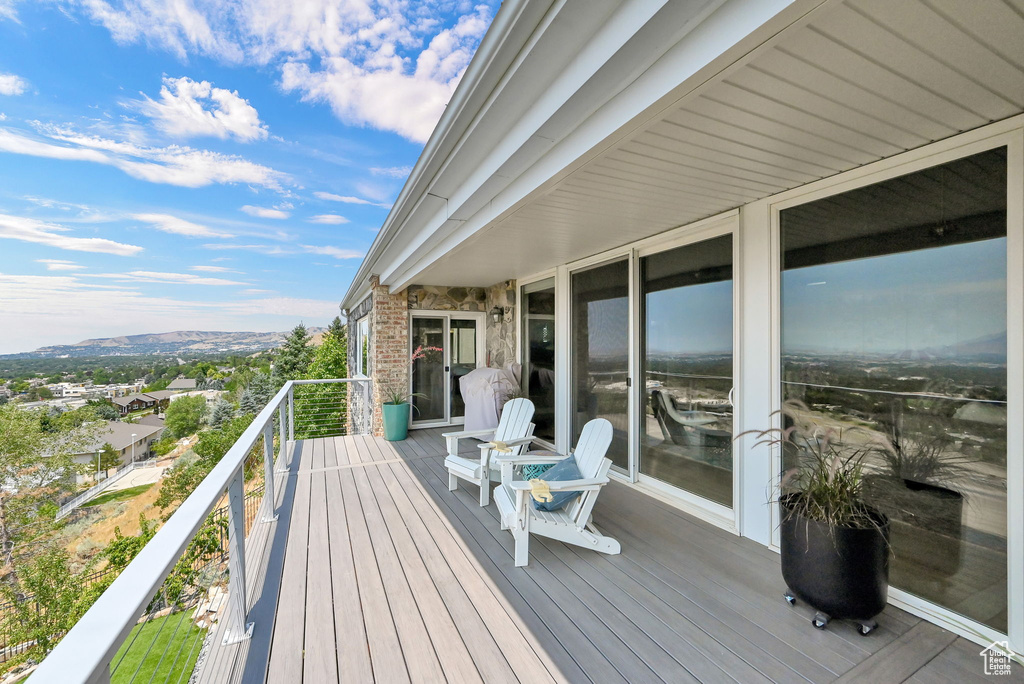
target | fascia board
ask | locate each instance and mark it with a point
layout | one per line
(732, 31)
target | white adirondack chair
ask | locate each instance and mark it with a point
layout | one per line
(572, 524)
(514, 429)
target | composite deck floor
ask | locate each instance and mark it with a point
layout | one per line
(374, 571)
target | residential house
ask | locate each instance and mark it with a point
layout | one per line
(680, 216)
(131, 441)
(181, 384)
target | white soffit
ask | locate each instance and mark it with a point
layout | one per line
(858, 81)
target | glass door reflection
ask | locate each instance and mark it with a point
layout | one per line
(428, 373)
(687, 415)
(600, 353)
(462, 352)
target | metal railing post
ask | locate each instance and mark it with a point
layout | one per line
(291, 414)
(237, 629)
(282, 457)
(269, 512)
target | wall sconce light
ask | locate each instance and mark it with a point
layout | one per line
(496, 314)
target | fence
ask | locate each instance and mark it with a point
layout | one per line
(152, 621)
(69, 506)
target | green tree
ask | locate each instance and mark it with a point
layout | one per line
(108, 457)
(104, 409)
(57, 601)
(295, 355)
(180, 480)
(222, 411)
(330, 361)
(36, 468)
(258, 392)
(337, 328)
(185, 415)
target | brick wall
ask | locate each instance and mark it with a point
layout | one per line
(389, 323)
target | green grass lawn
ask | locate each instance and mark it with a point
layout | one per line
(174, 639)
(119, 495)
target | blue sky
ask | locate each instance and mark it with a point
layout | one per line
(204, 164)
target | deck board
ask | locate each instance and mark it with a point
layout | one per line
(376, 572)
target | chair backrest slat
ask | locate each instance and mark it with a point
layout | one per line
(515, 420)
(590, 452)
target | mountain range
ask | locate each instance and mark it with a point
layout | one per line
(201, 341)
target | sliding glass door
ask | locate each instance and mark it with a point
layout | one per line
(894, 320)
(686, 426)
(600, 352)
(437, 398)
(538, 336)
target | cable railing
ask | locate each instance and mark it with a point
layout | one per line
(156, 621)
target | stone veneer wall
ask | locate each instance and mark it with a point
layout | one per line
(439, 298)
(501, 336)
(389, 357)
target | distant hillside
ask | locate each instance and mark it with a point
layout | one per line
(164, 343)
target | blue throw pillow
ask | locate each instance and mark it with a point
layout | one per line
(565, 469)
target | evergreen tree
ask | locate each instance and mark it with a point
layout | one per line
(295, 355)
(336, 329)
(222, 411)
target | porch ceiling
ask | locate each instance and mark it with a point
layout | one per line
(853, 82)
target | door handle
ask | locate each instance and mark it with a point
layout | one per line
(446, 369)
(732, 390)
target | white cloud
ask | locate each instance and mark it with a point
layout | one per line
(256, 291)
(265, 212)
(331, 197)
(178, 226)
(53, 235)
(214, 269)
(164, 278)
(392, 171)
(9, 83)
(3, 117)
(188, 108)
(335, 252)
(173, 165)
(59, 265)
(329, 219)
(7, 10)
(366, 60)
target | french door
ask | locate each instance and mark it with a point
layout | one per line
(454, 345)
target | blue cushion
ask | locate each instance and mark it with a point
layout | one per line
(560, 472)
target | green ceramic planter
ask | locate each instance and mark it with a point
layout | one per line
(396, 421)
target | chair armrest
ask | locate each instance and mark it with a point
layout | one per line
(467, 433)
(527, 459)
(564, 485)
(508, 442)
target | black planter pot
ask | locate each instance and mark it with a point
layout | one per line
(842, 573)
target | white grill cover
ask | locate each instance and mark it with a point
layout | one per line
(483, 390)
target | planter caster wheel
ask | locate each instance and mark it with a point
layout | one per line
(866, 628)
(790, 599)
(820, 621)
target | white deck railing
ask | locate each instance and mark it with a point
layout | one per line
(86, 653)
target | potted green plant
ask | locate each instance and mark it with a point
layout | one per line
(835, 546)
(396, 401)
